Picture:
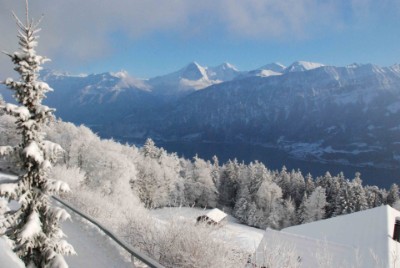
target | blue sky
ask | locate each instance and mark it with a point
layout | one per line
(155, 37)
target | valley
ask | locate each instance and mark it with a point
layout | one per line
(316, 118)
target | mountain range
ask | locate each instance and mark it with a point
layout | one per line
(349, 114)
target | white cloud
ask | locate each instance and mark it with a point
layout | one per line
(81, 30)
(276, 19)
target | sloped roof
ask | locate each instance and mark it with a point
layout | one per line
(281, 249)
(216, 215)
(369, 232)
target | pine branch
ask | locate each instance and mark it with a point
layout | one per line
(34, 27)
(20, 24)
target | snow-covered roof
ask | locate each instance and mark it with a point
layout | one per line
(282, 249)
(368, 232)
(216, 215)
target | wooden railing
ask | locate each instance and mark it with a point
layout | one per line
(135, 253)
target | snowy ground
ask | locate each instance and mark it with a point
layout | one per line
(7, 256)
(232, 232)
(95, 250)
(93, 247)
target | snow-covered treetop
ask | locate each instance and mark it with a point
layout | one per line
(27, 64)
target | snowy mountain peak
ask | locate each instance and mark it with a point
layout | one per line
(301, 66)
(121, 74)
(193, 71)
(353, 65)
(222, 72)
(128, 81)
(270, 69)
(275, 67)
(226, 66)
(45, 74)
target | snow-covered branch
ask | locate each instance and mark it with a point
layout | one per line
(6, 150)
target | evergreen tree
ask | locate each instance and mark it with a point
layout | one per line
(252, 215)
(274, 218)
(314, 206)
(152, 184)
(297, 186)
(283, 180)
(301, 211)
(215, 171)
(393, 194)
(375, 196)
(268, 195)
(332, 187)
(288, 216)
(34, 226)
(149, 149)
(345, 200)
(200, 188)
(241, 208)
(310, 185)
(229, 183)
(360, 200)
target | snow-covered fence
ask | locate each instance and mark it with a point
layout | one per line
(133, 251)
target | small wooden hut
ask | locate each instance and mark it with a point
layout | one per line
(214, 217)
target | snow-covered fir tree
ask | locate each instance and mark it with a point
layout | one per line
(288, 217)
(199, 187)
(360, 200)
(34, 226)
(393, 194)
(229, 183)
(149, 149)
(314, 206)
(309, 184)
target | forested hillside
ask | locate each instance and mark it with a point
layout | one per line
(253, 193)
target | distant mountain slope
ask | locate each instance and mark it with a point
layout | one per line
(101, 99)
(345, 113)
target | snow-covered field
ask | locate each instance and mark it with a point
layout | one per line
(232, 232)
